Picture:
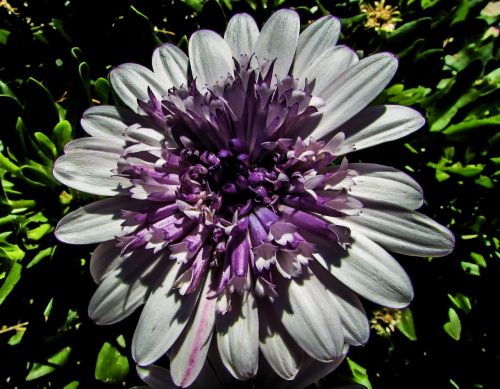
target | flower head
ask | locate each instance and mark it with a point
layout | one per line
(233, 212)
(381, 17)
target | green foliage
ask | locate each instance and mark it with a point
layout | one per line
(55, 65)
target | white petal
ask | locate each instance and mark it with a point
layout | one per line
(384, 184)
(307, 313)
(156, 377)
(337, 60)
(370, 271)
(130, 81)
(379, 124)
(188, 355)
(241, 35)
(210, 58)
(314, 41)
(314, 371)
(171, 66)
(238, 336)
(278, 40)
(162, 320)
(108, 121)
(91, 172)
(124, 289)
(402, 231)
(354, 89)
(105, 258)
(96, 222)
(349, 308)
(280, 351)
(103, 144)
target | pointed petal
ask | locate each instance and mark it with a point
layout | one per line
(241, 35)
(124, 289)
(90, 171)
(309, 317)
(278, 40)
(108, 121)
(370, 271)
(354, 89)
(96, 222)
(279, 349)
(130, 81)
(384, 184)
(238, 336)
(162, 320)
(170, 65)
(402, 231)
(105, 258)
(349, 308)
(210, 58)
(314, 41)
(188, 355)
(379, 124)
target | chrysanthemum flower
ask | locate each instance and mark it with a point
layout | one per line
(232, 210)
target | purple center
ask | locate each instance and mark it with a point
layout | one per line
(233, 185)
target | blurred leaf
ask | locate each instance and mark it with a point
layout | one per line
(13, 277)
(359, 374)
(72, 385)
(485, 182)
(4, 36)
(461, 302)
(102, 89)
(406, 325)
(453, 327)
(479, 259)
(470, 268)
(111, 365)
(463, 129)
(41, 369)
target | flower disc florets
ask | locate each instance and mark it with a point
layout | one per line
(233, 209)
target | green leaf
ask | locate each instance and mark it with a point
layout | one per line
(460, 130)
(461, 302)
(485, 181)
(72, 385)
(46, 145)
(453, 327)
(478, 259)
(47, 252)
(102, 89)
(470, 268)
(62, 134)
(40, 111)
(406, 326)
(4, 36)
(111, 365)
(359, 374)
(10, 282)
(41, 369)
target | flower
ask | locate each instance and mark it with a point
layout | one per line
(233, 212)
(381, 17)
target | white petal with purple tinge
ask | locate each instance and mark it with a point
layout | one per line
(105, 258)
(189, 353)
(241, 34)
(162, 320)
(370, 271)
(130, 81)
(171, 66)
(306, 311)
(278, 40)
(238, 336)
(210, 57)
(90, 171)
(386, 185)
(379, 124)
(402, 231)
(276, 345)
(107, 120)
(124, 289)
(353, 90)
(96, 222)
(314, 41)
(337, 60)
